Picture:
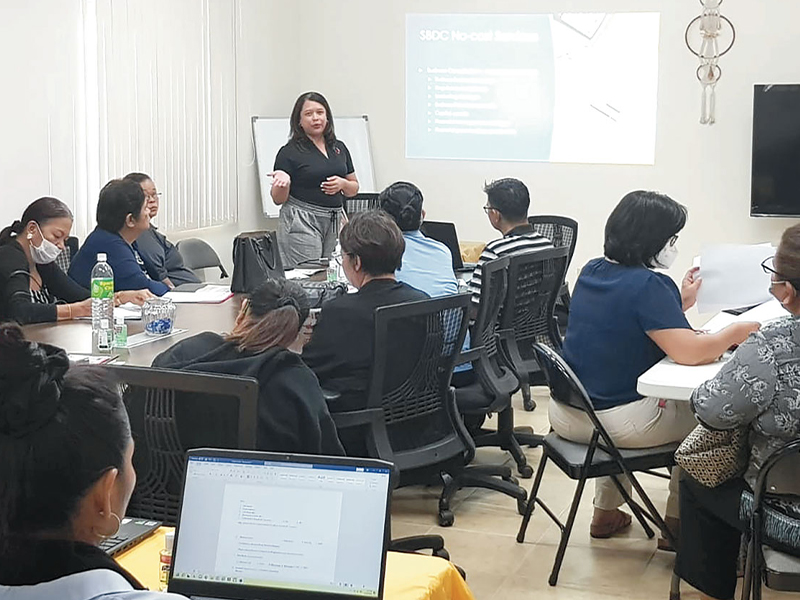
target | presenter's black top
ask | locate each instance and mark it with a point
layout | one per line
(308, 168)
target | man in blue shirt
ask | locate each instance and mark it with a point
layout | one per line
(427, 263)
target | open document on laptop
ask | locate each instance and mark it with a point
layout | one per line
(261, 525)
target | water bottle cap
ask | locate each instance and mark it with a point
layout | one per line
(169, 540)
(101, 257)
(119, 320)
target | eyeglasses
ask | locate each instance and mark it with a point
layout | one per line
(769, 268)
(673, 240)
(155, 196)
(487, 208)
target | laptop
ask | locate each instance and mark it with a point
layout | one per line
(278, 526)
(131, 532)
(446, 233)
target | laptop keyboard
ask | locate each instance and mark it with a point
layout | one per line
(108, 543)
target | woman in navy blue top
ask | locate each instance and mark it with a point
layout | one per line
(624, 318)
(122, 216)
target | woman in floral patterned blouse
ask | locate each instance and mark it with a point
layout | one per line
(759, 388)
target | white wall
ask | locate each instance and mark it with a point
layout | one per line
(361, 70)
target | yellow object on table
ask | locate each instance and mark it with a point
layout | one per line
(408, 576)
(471, 251)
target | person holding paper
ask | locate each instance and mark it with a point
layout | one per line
(756, 389)
(33, 289)
(624, 318)
(313, 173)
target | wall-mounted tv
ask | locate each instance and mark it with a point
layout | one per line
(775, 183)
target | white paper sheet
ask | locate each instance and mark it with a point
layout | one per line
(128, 311)
(209, 294)
(301, 273)
(733, 277)
(763, 313)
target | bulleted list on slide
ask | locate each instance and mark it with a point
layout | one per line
(534, 87)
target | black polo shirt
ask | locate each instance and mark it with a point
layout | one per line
(308, 168)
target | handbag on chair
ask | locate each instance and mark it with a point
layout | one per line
(255, 259)
(320, 292)
(712, 457)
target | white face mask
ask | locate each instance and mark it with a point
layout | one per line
(46, 252)
(666, 256)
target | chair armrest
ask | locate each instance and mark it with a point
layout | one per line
(469, 355)
(434, 543)
(330, 395)
(357, 418)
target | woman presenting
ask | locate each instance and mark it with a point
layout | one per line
(313, 173)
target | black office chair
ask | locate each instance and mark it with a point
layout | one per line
(173, 411)
(495, 382)
(773, 552)
(64, 259)
(360, 203)
(534, 283)
(197, 255)
(563, 232)
(411, 418)
(599, 458)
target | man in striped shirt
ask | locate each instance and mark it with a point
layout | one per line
(507, 206)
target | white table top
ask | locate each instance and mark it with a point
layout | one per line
(667, 379)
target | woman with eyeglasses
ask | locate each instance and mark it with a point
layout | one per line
(624, 318)
(154, 245)
(292, 414)
(756, 389)
(33, 289)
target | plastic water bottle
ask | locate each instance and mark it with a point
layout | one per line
(102, 306)
(333, 274)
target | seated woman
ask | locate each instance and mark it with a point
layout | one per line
(340, 350)
(122, 216)
(67, 476)
(32, 287)
(154, 246)
(756, 389)
(292, 415)
(624, 318)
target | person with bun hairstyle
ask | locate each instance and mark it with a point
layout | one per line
(66, 476)
(292, 414)
(122, 216)
(313, 173)
(33, 289)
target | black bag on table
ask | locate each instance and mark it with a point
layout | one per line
(255, 259)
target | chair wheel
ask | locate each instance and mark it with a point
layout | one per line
(522, 506)
(529, 404)
(525, 471)
(446, 518)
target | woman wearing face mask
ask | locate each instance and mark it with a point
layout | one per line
(624, 318)
(32, 287)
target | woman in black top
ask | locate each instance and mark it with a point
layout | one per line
(313, 173)
(32, 287)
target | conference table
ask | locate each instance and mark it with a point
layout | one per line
(408, 576)
(671, 381)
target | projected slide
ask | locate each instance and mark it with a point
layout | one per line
(564, 87)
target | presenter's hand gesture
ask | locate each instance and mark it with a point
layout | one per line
(281, 179)
(689, 287)
(333, 185)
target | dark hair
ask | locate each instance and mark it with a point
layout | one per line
(403, 202)
(276, 310)
(787, 257)
(640, 226)
(510, 197)
(40, 211)
(118, 199)
(61, 429)
(296, 132)
(374, 237)
(137, 177)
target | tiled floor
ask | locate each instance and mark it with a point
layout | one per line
(482, 540)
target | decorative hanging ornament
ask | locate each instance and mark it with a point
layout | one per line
(704, 37)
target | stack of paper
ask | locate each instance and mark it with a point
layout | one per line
(208, 294)
(763, 313)
(733, 277)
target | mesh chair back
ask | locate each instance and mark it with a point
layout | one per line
(64, 259)
(416, 346)
(173, 411)
(534, 282)
(198, 254)
(562, 231)
(360, 203)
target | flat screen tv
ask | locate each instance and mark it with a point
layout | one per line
(775, 182)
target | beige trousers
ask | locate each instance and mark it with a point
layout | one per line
(641, 424)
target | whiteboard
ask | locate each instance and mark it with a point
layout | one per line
(272, 133)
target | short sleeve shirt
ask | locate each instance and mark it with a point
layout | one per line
(308, 168)
(612, 309)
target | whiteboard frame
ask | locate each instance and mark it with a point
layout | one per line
(269, 208)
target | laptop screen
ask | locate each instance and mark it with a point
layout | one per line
(282, 524)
